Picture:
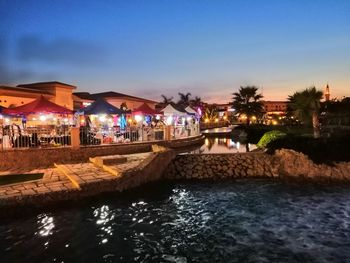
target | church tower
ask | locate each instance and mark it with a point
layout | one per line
(327, 94)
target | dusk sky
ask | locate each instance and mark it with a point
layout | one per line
(148, 48)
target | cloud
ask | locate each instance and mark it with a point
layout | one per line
(61, 50)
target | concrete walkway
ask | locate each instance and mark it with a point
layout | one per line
(70, 181)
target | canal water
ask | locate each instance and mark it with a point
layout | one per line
(225, 145)
(220, 140)
(229, 221)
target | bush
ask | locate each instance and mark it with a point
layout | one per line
(269, 137)
(321, 150)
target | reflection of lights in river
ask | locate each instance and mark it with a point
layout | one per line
(238, 145)
(45, 225)
(190, 214)
(104, 221)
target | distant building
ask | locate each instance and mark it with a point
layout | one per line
(83, 99)
(57, 92)
(327, 94)
(275, 107)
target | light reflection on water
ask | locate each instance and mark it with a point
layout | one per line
(225, 145)
(241, 221)
(45, 225)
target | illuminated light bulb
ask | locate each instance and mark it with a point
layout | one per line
(102, 118)
(157, 117)
(42, 117)
(7, 120)
(138, 118)
(169, 120)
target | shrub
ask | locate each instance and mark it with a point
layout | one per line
(270, 137)
(321, 150)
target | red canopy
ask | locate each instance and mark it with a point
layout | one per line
(40, 105)
(145, 110)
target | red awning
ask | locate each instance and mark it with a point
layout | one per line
(144, 109)
(40, 105)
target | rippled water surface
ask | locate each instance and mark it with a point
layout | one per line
(242, 221)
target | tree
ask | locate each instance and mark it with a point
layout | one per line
(336, 112)
(246, 101)
(306, 104)
(184, 99)
(196, 102)
(210, 113)
(166, 99)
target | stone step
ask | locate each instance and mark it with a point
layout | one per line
(109, 160)
(75, 180)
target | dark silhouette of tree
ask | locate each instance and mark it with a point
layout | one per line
(196, 102)
(336, 112)
(166, 99)
(184, 99)
(306, 105)
(246, 101)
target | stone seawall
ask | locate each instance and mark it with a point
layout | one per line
(51, 193)
(46, 157)
(283, 164)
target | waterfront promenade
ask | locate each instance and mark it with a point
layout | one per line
(76, 179)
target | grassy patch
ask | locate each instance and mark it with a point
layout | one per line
(19, 178)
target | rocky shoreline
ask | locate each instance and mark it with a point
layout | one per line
(284, 164)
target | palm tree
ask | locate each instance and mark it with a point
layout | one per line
(305, 104)
(246, 101)
(196, 102)
(166, 99)
(210, 113)
(184, 99)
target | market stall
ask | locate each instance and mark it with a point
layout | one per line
(101, 122)
(179, 119)
(38, 123)
(149, 123)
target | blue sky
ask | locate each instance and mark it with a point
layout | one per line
(207, 47)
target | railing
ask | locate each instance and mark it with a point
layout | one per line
(91, 136)
(183, 131)
(39, 137)
(13, 136)
(212, 125)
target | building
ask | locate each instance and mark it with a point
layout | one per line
(63, 95)
(327, 94)
(57, 92)
(83, 99)
(275, 107)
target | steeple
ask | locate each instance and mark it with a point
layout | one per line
(327, 94)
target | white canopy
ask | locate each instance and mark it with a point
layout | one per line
(190, 110)
(171, 109)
